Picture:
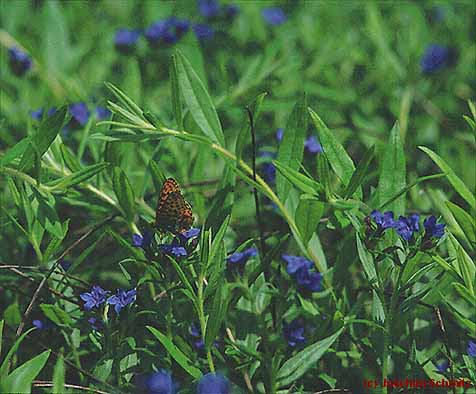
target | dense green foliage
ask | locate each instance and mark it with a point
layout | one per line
(336, 251)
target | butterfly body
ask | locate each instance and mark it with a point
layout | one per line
(173, 213)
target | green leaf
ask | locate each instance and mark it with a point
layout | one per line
(301, 181)
(291, 148)
(465, 220)
(43, 138)
(337, 157)
(455, 181)
(467, 269)
(216, 315)
(56, 314)
(360, 172)
(158, 176)
(308, 214)
(5, 367)
(15, 151)
(124, 193)
(176, 353)
(56, 48)
(2, 323)
(19, 381)
(59, 375)
(198, 101)
(70, 159)
(378, 313)
(175, 90)
(392, 177)
(47, 216)
(80, 176)
(366, 259)
(304, 360)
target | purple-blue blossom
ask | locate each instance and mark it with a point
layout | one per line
(274, 16)
(268, 169)
(383, 220)
(142, 241)
(407, 226)
(203, 32)
(166, 31)
(240, 258)
(279, 134)
(19, 61)
(213, 383)
(443, 366)
(79, 114)
(95, 323)
(300, 269)
(208, 8)
(94, 298)
(122, 298)
(312, 145)
(175, 251)
(160, 382)
(294, 333)
(432, 228)
(188, 235)
(102, 113)
(125, 40)
(434, 59)
(471, 349)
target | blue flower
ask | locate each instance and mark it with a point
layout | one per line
(125, 40)
(208, 8)
(240, 258)
(300, 268)
(37, 115)
(274, 16)
(406, 226)
(188, 235)
(102, 113)
(432, 229)
(203, 32)
(268, 169)
(471, 349)
(175, 251)
(434, 59)
(96, 324)
(160, 383)
(167, 31)
(196, 333)
(65, 264)
(279, 134)
(383, 220)
(122, 298)
(294, 333)
(213, 383)
(42, 324)
(231, 11)
(312, 145)
(142, 241)
(443, 366)
(94, 298)
(19, 61)
(79, 115)
(296, 263)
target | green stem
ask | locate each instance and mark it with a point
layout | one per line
(201, 317)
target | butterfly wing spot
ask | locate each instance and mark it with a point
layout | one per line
(173, 213)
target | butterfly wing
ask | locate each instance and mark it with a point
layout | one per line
(170, 186)
(175, 214)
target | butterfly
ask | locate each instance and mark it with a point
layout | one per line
(173, 213)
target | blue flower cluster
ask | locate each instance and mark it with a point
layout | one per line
(239, 259)
(167, 31)
(98, 296)
(19, 61)
(213, 383)
(125, 40)
(406, 227)
(274, 16)
(300, 269)
(294, 333)
(182, 244)
(435, 58)
(471, 349)
(142, 241)
(211, 9)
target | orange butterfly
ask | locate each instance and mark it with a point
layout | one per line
(173, 213)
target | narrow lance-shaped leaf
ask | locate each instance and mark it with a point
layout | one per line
(308, 214)
(124, 193)
(175, 90)
(360, 172)
(392, 177)
(291, 148)
(307, 358)
(337, 157)
(455, 181)
(198, 100)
